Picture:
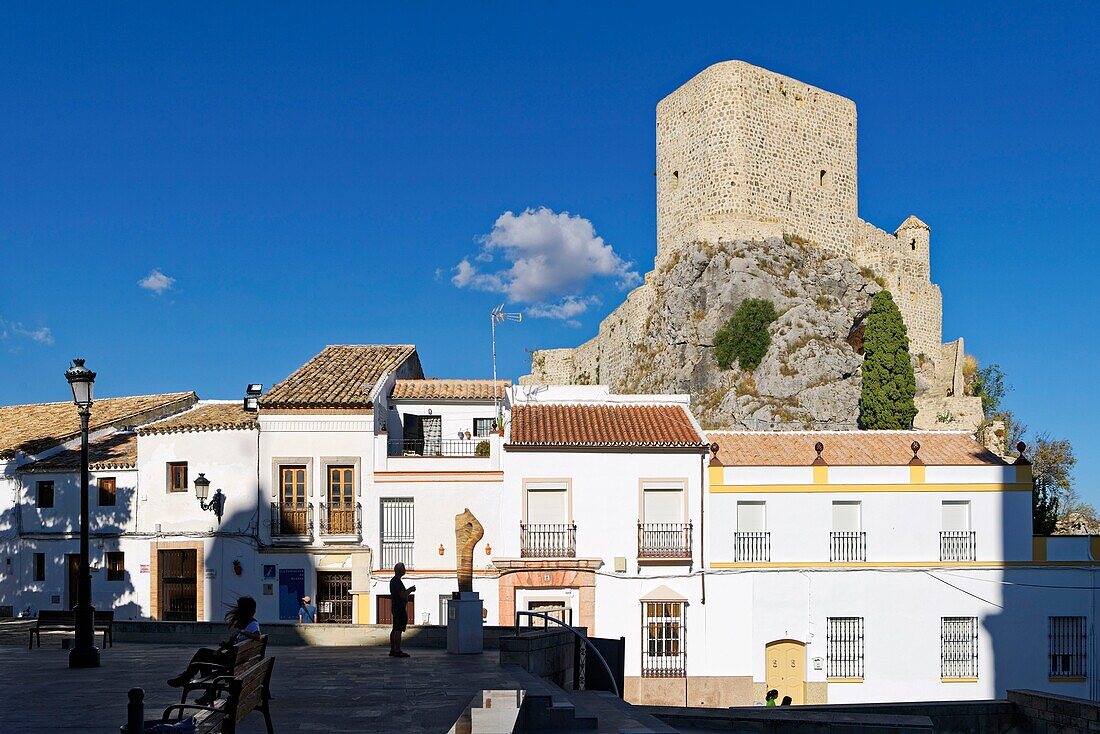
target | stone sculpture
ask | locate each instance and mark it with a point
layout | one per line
(468, 531)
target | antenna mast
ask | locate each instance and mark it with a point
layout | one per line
(498, 314)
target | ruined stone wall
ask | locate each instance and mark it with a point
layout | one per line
(739, 143)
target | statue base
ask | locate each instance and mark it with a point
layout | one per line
(465, 633)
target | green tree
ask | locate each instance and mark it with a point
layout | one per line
(745, 337)
(889, 386)
(989, 384)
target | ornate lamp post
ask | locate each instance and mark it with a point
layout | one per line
(202, 492)
(84, 653)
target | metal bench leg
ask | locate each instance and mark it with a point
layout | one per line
(267, 717)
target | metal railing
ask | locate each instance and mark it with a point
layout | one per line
(341, 520)
(583, 638)
(664, 540)
(561, 614)
(296, 521)
(438, 447)
(754, 547)
(397, 551)
(847, 546)
(958, 545)
(555, 540)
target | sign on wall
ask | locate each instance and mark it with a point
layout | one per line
(292, 587)
(269, 571)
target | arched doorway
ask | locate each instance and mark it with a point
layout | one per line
(785, 666)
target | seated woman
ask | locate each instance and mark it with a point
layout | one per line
(242, 626)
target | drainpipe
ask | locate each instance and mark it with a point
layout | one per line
(1094, 685)
(702, 528)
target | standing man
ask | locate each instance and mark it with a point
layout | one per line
(399, 598)
(307, 612)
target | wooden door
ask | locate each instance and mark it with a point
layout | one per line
(786, 669)
(384, 610)
(341, 501)
(177, 581)
(334, 596)
(72, 577)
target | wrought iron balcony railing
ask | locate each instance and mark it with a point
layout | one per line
(438, 447)
(958, 545)
(752, 547)
(664, 540)
(847, 546)
(291, 520)
(341, 519)
(554, 540)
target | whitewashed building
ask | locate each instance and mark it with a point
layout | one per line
(839, 567)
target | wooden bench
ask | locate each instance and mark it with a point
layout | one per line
(247, 691)
(235, 660)
(53, 620)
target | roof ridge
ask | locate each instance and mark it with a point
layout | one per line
(98, 399)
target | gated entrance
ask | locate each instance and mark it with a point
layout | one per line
(178, 579)
(334, 596)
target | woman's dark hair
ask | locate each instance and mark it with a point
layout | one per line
(243, 612)
(786, 701)
(773, 694)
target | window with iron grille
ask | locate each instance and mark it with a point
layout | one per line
(959, 647)
(397, 528)
(116, 566)
(483, 427)
(845, 647)
(1067, 647)
(664, 654)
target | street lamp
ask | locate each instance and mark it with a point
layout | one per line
(202, 492)
(84, 653)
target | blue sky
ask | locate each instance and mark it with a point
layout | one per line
(303, 177)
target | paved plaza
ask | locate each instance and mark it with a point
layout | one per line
(315, 689)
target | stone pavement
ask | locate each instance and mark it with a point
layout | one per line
(315, 689)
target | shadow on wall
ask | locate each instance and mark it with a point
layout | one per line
(29, 582)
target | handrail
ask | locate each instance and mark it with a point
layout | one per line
(583, 637)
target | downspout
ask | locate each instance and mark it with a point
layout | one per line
(1094, 685)
(702, 528)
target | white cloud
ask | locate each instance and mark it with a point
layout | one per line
(41, 335)
(567, 309)
(156, 282)
(549, 256)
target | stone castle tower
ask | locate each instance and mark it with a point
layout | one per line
(744, 153)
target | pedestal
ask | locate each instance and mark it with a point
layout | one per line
(465, 633)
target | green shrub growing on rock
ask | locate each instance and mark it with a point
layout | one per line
(744, 338)
(886, 396)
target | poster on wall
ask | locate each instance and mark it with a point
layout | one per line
(292, 587)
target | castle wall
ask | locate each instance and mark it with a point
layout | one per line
(739, 143)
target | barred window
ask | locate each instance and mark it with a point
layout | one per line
(116, 566)
(1068, 647)
(959, 647)
(845, 647)
(663, 634)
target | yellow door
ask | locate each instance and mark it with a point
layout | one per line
(786, 669)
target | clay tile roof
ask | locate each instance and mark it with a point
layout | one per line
(449, 389)
(205, 417)
(850, 448)
(911, 222)
(341, 376)
(37, 427)
(117, 451)
(643, 426)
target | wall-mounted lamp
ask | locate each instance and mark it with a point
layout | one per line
(442, 550)
(202, 492)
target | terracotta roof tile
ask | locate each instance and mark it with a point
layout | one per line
(39, 426)
(449, 389)
(205, 417)
(850, 448)
(647, 426)
(117, 451)
(341, 376)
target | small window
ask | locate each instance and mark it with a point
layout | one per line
(664, 654)
(822, 177)
(177, 476)
(116, 566)
(44, 492)
(483, 427)
(845, 647)
(959, 647)
(39, 566)
(1068, 647)
(913, 245)
(107, 491)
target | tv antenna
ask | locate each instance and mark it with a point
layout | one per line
(498, 314)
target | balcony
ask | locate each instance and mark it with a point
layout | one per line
(958, 545)
(291, 523)
(342, 521)
(664, 540)
(752, 547)
(847, 546)
(556, 540)
(439, 447)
